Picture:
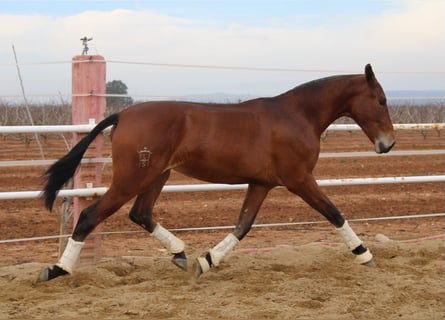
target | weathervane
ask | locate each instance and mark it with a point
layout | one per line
(85, 45)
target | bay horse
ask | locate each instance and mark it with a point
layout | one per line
(264, 142)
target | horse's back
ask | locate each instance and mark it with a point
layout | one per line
(193, 121)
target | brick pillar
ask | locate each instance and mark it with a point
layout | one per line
(89, 78)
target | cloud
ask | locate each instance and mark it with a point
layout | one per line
(417, 32)
(409, 38)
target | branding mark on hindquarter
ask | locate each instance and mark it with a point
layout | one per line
(144, 157)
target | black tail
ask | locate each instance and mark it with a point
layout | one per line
(62, 170)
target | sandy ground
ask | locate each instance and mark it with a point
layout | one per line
(290, 272)
(312, 281)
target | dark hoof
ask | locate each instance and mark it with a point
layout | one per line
(370, 263)
(180, 260)
(49, 274)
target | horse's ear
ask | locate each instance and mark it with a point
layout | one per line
(370, 77)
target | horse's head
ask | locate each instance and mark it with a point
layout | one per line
(368, 108)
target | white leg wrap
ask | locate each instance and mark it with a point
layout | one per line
(70, 255)
(170, 242)
(352, 241)
(349, 237)
(221, 249)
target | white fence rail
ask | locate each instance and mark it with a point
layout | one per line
(94, 192)
(89, 192)
(83, 128)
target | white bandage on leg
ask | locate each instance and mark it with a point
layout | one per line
(221, 249)
(170, 242)
(352, 241)
(349, 237)
(70, 255)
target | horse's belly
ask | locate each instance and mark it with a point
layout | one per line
(212, 175)
(230, 173)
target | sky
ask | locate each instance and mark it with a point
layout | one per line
(404, 40)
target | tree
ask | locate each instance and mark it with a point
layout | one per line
(118, 87)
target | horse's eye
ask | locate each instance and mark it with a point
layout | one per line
(382, 101)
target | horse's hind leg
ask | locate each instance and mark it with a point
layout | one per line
(89, 219)
(142, 214)
(254, 198)
(311, 193)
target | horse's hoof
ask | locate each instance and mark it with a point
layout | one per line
(44, 276)
(370, 263)
(198, 269)
(49, 274)
(202, 266)
(180, 260)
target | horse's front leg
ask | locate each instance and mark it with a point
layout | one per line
(309, 191)
(254, 198)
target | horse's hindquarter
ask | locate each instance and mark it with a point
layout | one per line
(145, 138)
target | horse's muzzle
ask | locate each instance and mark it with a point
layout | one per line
(384, 147)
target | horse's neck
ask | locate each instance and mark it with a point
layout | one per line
(325, 100)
